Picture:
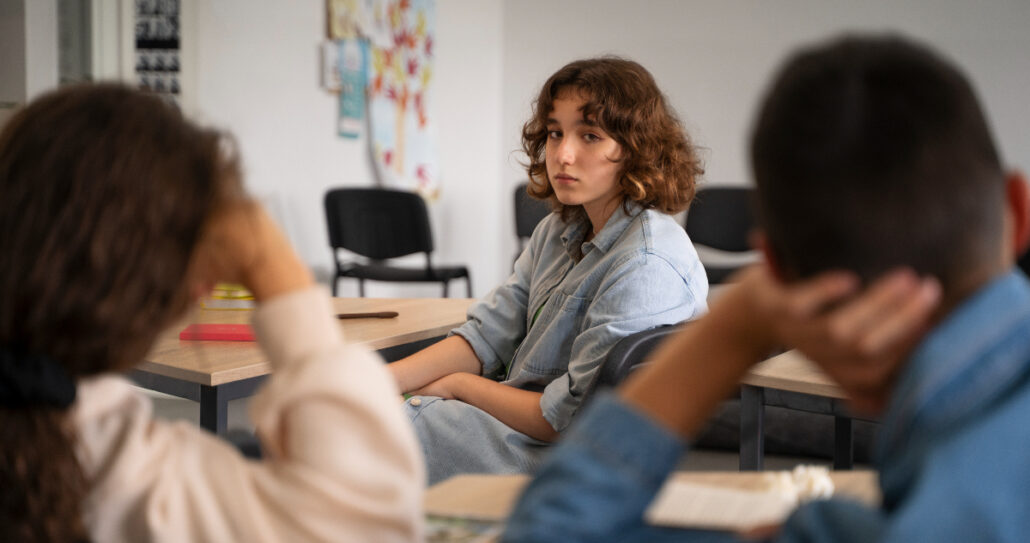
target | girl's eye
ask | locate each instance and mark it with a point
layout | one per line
(554, 134)
(591, 138)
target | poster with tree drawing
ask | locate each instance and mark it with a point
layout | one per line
(400, 77)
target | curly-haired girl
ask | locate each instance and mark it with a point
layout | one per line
(608, 152)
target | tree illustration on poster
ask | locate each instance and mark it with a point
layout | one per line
(399, 82)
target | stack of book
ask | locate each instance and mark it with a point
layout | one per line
(228, 296)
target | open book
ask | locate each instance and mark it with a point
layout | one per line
(733, 501)
(742, 501)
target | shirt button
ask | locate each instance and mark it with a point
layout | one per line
(415, 402)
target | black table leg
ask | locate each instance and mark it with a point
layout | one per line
(843, 450)
(214, 409)
(752, 437)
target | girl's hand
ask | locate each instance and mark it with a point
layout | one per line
(241, 244)
(445, 387)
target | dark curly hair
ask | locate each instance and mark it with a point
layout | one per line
(660, 165)
(105, 193)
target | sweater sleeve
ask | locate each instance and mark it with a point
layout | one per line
(341, 461)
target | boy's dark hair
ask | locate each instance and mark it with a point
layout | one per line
(873, 152)
(660, 165)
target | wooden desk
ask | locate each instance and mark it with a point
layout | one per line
(215, 372)
(492, 497)
(799, 384)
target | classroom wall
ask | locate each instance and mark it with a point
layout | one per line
(257, 74)
(28, 51)
(713, 58)
(12, 56)
(40, 47)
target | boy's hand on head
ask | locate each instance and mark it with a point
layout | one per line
(863, 343)
(767, 313)
(858, 338)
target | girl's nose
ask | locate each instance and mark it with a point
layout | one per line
(566, 151)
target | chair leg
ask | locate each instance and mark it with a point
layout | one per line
(361, 288)
(336, 280)
(445, 285)
(468, 285)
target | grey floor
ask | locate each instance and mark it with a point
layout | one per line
(173, 408)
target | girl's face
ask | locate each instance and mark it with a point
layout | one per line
(579, 158)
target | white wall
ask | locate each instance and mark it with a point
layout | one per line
(257, 75)
(28, 51)
(713, 58)
(12, 57)
(40, 46)
(12, 53)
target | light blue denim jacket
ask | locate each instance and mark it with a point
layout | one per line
(639, 272)
(952, 453)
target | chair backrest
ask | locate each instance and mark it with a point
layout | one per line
(630, 352)
(378, 223)
(722, 218)
(528, 211)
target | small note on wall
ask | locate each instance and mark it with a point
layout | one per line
(353, 59)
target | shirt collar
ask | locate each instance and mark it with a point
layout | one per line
(576, 229)
(959, 367)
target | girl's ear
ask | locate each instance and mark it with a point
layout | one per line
(762, 245)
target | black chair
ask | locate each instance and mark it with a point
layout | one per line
(722, 218)
(380, 224)
(528, 213)
(631, 352)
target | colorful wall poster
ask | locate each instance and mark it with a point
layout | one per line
(400, 77)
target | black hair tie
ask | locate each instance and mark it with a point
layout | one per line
(30, 380)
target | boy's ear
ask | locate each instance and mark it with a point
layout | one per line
(762, 245)
(1018, 195)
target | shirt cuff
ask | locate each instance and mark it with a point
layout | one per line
(557, 403)
(296, 325)
(491, 365)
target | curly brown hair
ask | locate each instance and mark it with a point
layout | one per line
(105, 193)
(660, 165)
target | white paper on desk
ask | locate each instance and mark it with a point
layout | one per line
(689, 505)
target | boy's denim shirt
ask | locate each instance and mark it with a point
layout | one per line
(952, 453)
(551, 325)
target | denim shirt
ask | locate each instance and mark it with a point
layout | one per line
(551, 325)
(952, 453)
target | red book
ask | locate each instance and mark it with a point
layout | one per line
(217, 332)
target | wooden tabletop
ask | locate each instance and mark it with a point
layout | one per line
(492, 497)
(793, 372)
(214, 363)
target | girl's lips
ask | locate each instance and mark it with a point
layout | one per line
(561, 178)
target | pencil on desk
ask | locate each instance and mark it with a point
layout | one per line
(374, 315)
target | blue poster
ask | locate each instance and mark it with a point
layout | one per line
(353, 59)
